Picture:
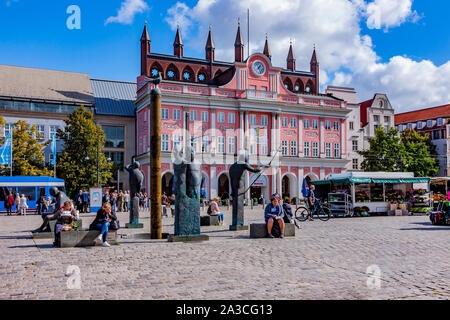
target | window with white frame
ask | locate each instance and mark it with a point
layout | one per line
(440, 122)
(264, 121)
(253, 119)
(284, 148)
(165, 139)
(315, 149)
(263, 149)
(205, 144)
(355, 145)
(410, 125)
(429, 123)
(293, 122)
(53, 131)
(284, 122)
(8, 128)
(387, 119)
(253, 148)
(176, 140)
(355, 164)
(376, 118)
(232, 145)
(315, 124)
(164, 114)
(327, 125)
(337, 150)
(193, 115)
(205, 116)
(194, 142)
(293, 148)
(41, 131)
(328, 149)
(306, 149)
(306, 123)
(336, 126)
(231, 117)
(221, 144)
(176, 114)
(419, 125)
(220, 117)
(351, 125)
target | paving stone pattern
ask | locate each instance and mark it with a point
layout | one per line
(325, 260)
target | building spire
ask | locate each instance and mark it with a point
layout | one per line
(210, 46)
(314, 60)
(239, 45)
(145, 50)
(178, 44)
(267, 48)
(291, 58)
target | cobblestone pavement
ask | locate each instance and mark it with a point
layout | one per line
(326, 260)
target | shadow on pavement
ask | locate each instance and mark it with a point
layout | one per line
(39, 246)
(427, 229)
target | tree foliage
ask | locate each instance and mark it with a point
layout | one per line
(27, 149)
(77, 163)
(411, 151)
(420, 153)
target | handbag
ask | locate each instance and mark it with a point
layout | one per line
(115, 225)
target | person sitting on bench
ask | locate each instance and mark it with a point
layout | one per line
(274, 214)
(213, 210)
(65, 217)
(102, 222)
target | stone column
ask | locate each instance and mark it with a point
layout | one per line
(343, 139)
(300, 137)
(279, 181)
(273, 135)
(322, 174)
(213, 132)
(322, 138)
(300, 184)
(241, 130)
(214, 182)
(247, 133)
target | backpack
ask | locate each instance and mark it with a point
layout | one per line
(209, 210)
(276, 231)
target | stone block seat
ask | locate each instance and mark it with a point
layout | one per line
(84, 238)
(208, 220)
(51, 234)
(259, 230)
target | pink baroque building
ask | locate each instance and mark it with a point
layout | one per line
(276, 114)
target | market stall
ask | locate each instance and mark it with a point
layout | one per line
(376, 192)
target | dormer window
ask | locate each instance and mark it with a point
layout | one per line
(440, 122)
(419, 125)
(429, 123)
(410, 125)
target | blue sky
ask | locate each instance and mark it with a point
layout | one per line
(413, 38)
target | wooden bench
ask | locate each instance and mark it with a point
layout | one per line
(259, 230)
(51, 234)
(206, 221)
(84, 238)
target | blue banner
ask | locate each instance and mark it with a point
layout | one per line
(305, 188)
(53, 146)
(5, 151)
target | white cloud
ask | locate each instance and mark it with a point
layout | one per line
(388, 13)
(127, 11)
(347, 56)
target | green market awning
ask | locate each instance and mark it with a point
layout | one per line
(362, 180)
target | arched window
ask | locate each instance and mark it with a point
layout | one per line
(188, 74)
(287, 84)
(172, 72)
(155, 69)
(201, 76)
(309, 87)
(298, 87)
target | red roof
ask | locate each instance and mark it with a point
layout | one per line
(363, 111)
(423, 114)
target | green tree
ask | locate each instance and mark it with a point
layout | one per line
(28, 155)
(386, 152)
(77, 163)
(420, 152)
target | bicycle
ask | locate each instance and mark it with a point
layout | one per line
(322, 212)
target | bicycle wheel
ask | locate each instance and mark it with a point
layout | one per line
(323, 214)
(301, 214)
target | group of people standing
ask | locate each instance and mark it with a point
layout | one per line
(20, 201)
(119, 201)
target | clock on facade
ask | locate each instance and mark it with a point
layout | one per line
(258, 68)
